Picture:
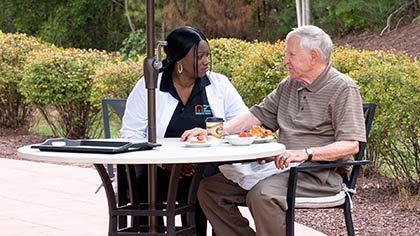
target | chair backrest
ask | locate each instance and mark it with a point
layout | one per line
(118, 105)
(369, 112)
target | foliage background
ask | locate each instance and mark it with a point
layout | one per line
(104, 24)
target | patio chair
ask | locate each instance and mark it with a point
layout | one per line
(341, 200)
(118, 105)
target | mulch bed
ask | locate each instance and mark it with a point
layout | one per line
(404, 38)
(376, 212)
(12, 139)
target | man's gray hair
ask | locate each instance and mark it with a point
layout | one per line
(312, 37)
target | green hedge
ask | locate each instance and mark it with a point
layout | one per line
(392, 82)
(261, 71)
(14, 49)
(255, 68)
(73, 82)
(116, 80)
(226, 54)
(59, 83)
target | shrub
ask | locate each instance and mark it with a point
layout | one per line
(14, 48)
(255, 68)
(117, 79)
(391, 81)
(260, 72)
(227, 54)
(62, 79)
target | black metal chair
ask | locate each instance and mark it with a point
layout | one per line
(341, 200)
(118, 105)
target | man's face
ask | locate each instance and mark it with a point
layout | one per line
(298, 62)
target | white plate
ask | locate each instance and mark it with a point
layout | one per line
(197, 145)
(263, 140)
(235, 140)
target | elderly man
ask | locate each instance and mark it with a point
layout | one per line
(318, 112)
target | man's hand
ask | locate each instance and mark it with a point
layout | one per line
(192, 133)
(289, 156)
(264, 160)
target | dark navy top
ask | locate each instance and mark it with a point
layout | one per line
(195, 111)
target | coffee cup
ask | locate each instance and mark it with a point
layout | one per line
(214, 126)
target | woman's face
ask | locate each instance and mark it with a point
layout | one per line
(202, 59)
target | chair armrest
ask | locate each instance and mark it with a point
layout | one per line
(331, 165)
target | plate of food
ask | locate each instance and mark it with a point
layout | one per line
(198, 141)
(262, 135)
(241, 139)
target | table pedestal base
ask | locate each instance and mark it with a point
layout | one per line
(119, 224)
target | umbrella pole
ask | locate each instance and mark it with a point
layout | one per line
(150, 75)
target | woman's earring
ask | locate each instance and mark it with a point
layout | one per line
(180, 68)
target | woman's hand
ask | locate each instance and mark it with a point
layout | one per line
(192, 133)
(289, 156)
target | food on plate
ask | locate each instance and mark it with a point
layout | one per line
(260, 132)
(198, 139)
(245, 134)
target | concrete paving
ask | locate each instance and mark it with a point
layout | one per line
(57, 200)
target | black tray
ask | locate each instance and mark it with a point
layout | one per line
(93, 146)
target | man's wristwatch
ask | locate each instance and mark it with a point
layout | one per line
(309, 152)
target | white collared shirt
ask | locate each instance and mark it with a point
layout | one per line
(223, 98)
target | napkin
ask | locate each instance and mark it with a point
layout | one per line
(249, 174)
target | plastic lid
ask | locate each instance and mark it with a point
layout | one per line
(214, 119)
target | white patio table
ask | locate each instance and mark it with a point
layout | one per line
(172, 151)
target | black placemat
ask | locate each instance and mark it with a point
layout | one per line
(93, 146)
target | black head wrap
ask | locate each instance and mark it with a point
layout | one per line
(180, 41)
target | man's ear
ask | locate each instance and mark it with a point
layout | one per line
(314, 55)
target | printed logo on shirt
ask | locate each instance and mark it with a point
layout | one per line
(202, 110)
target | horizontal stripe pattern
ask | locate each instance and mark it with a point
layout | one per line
(328, 110)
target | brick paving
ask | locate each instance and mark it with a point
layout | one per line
(56, 200)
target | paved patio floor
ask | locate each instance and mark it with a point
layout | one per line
(55, 200)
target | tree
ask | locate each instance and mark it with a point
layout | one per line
(99, 24)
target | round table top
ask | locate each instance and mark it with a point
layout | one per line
(172, 151)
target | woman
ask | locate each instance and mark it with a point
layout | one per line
(187, 93)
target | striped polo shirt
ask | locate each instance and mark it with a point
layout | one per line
(328, 110)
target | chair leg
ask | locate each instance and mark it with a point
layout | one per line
(291, 197)
(348, 218)
(290, 221)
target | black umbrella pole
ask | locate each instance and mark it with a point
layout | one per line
(150, 72)
(150, 75)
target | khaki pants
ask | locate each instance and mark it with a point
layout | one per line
(219, 197)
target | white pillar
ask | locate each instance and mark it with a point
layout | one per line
(299, 12)
(303, 12)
